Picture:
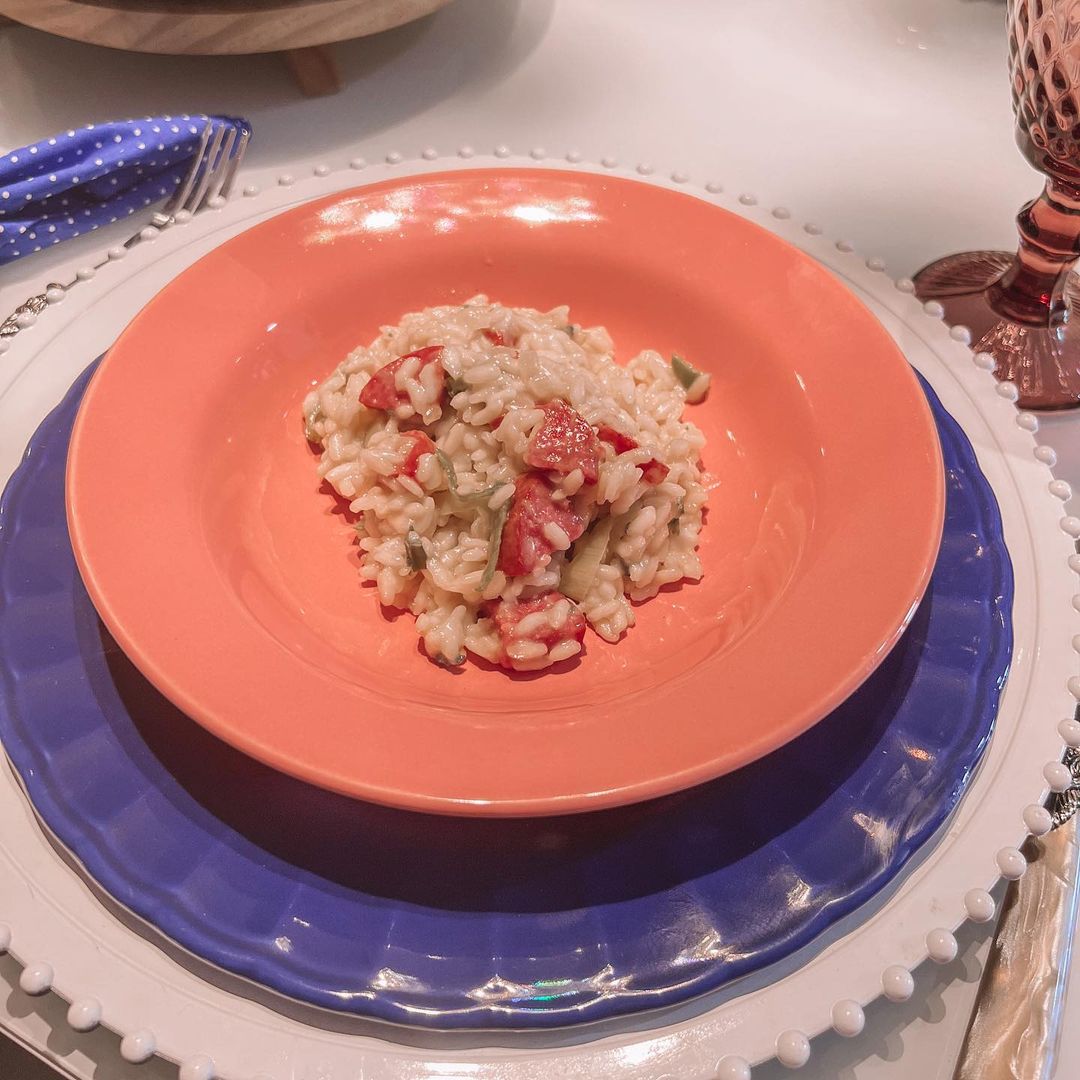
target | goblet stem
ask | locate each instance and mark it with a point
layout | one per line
(1022, 309)
(1032, 290)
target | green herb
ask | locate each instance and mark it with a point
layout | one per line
(673, 525)
(415, 555)
(446, 662)
(448, 468)
(480, 496)
(498, 521)
(456, 386)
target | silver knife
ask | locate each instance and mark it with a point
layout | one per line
(1015, 1027)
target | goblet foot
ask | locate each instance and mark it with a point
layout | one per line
(1043, 362)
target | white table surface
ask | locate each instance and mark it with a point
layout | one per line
(885, 121)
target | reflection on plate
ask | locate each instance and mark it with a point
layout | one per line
(450, 922)
(215, 561)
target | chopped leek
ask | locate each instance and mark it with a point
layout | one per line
(685, 372)
(621, 521)
(579, 575)
(498, 520)
(696, 383)
(415, 555)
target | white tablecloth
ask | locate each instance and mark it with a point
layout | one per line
(885, 121)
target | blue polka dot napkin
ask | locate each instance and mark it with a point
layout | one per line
(80, 180)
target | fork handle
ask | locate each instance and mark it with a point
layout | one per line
(34, 306)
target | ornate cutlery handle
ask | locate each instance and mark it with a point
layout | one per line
(1016, 1023)
(34, 306)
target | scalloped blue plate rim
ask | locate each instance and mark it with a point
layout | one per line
(307, 983)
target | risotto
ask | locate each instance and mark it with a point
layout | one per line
(513, 484)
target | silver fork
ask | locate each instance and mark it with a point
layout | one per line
(208, 182)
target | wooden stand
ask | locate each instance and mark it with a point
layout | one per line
(314, 70)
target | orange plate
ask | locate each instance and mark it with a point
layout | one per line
(230, 579)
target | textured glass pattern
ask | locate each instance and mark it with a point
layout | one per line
(1044, 63)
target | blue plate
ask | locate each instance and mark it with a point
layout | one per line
(450, 922)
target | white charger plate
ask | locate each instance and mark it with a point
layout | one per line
(71, 944)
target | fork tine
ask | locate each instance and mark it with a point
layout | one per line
(221, 167)
(181, 193)
(195, 199)
(234, 164)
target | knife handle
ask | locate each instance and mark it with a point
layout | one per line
(1015, 1027)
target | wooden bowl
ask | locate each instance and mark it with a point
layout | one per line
(214, 26)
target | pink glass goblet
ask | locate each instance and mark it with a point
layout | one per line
(1023, 309)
